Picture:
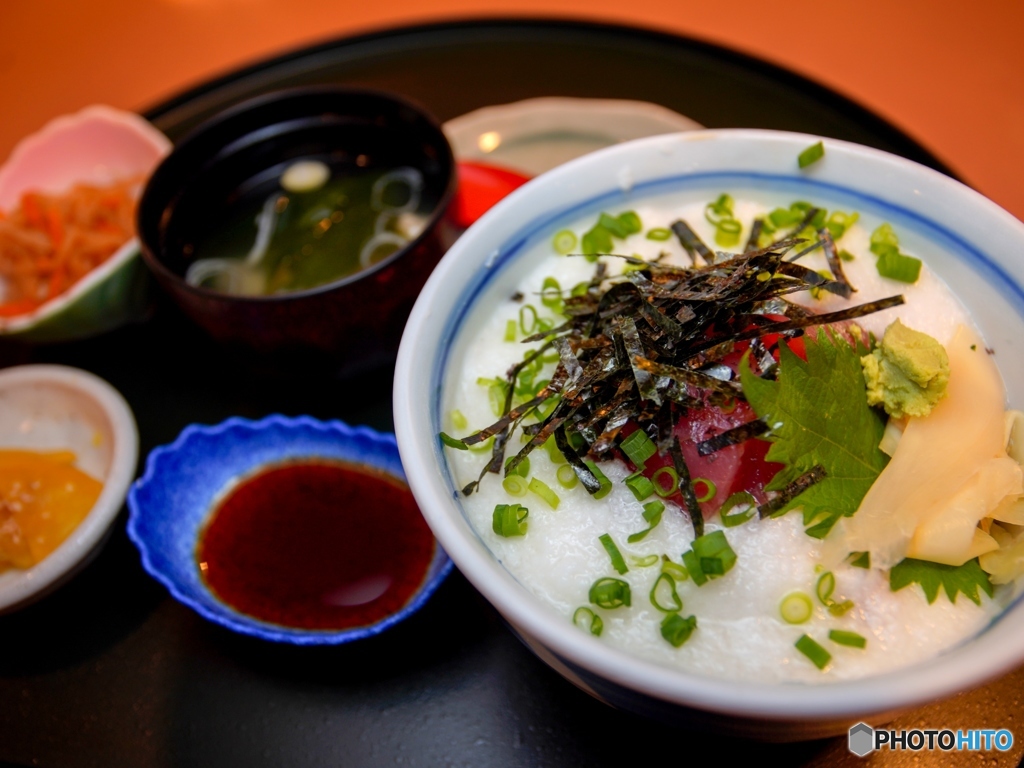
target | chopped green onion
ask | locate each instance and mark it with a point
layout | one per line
(677, 630)
(613, 225)
(641, 486)
(675, 570)
(764, 277)
(613, 552)
(630, 222)
(663, 490)
(860, 559)
(551, 294)
(522, 319)
(553, 453)
(709, 494)
(630, 267)
(742, 497)
(782, 218)
(514, 485)
(523, 470)
(659, 234)
(818, 655)
(580, 289)
(852, 639)
(496, 392)
(692, 563)
(840, 609)
(726, 239)
(643, 562)
(586, 619)
(510, 330)
(824, 589)
(669, 584)
(484, 447)
(714, 554)
(608, 592)
(452, 442)
(897, 266)
(727, 227)
(606, 484)
(891, 263)
(566, 477)
(652, 514)
(510, 519)
(541, 489)
(639, 448)
(718, 210)
(826, 586)
(564, 241)
(796, 608)
(846, 256)
(811, 155)
(458, 419)
(883, 238)
(838, 222)
(596, 241)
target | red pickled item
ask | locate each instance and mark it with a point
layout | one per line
(480, 187)
(317, 545)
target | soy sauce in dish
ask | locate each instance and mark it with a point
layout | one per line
(317, 545)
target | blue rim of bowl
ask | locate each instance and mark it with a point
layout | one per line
(962, 249)
(441, 565)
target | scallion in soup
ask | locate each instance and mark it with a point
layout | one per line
(317, 225)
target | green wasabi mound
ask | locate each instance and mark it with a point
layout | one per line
(907, 372)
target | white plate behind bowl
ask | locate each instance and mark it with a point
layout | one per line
(970, 242)
(536, 135)
(52, 407)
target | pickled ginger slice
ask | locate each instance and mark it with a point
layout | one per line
(934, 460)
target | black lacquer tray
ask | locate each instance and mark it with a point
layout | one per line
(111, 671)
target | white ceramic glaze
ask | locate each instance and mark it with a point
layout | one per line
(53, 407)
(978, 253)
(98, 145)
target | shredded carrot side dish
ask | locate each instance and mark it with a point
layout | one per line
(50, 242)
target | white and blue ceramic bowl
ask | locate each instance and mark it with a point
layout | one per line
(980, 254)
(171, 504)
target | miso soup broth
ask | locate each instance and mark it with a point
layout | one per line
(309, 224)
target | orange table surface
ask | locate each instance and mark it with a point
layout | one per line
(948, 74)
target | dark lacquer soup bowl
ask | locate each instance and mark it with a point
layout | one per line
(301, 225)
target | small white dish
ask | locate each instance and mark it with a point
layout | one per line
(535, 135)
(978, 253)
(53, 407)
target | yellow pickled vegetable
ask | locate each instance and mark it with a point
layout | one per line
(43, 498)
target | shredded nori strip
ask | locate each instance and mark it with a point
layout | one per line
(686, 488)
(804, 251)
(587, 478)
(697, 379)
(755, 235)
(692, 243)
(733, 436)
(791, 491)
(832, 256)
(813, 278)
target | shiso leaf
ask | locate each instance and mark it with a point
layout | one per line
(819, 416)
(954, 579)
